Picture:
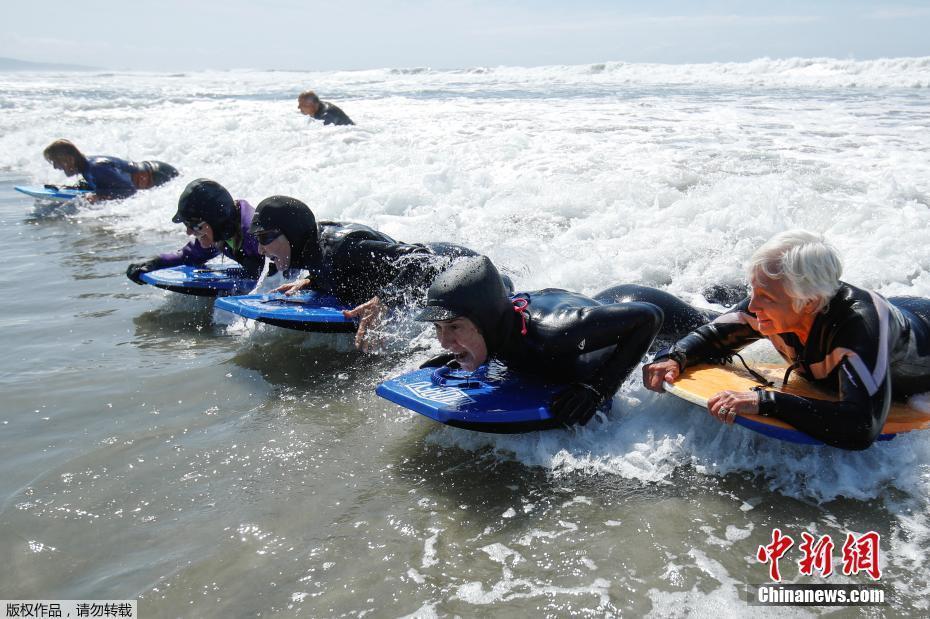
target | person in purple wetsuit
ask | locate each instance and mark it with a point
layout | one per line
(108, 177)
(219, 225)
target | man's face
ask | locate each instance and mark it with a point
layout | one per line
(461, 337)
(306, 107)
(66, 164)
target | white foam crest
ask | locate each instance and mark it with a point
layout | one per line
(426, 611)
(582, 193)
(910, 545)
(817, 73)
(649, 437)
(499, 553)
(726, 600)
(787, 72)
(430, 557)
(510, 588)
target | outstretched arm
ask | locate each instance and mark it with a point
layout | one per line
(413, 268)
(192, 253)
(728, 333)
(626, 329)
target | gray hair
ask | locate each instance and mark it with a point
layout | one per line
(810, 267)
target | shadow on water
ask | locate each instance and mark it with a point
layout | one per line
(500, 494)
(488, 484)
(51, 211)
(326, 364)
(181, 321)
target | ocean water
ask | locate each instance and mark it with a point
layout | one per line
(158, 450)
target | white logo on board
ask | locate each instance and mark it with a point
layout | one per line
(450, 396)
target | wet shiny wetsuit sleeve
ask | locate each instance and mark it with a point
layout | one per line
(728, 333)
(626, 328)
(110, 177)
(398, 270)
(860, 361)
(332, 115)
(192, 254)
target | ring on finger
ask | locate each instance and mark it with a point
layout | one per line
(724, 411)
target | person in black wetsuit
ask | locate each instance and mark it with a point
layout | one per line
(852, 341)
(310, 105)
(360, 266)
(680, 317)
(219, 225)
(107, 177)
(559, 335)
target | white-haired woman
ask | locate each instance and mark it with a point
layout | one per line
(850, 340)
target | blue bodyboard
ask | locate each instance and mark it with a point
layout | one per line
(304, 311)
(204, 281)
(51, 193)
(490, 399)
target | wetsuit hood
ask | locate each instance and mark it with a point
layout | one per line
(472, 288)
(296, 221)
(206, 200)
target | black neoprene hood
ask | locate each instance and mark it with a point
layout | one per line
(208, 201)
(470, 288)
(289, 215)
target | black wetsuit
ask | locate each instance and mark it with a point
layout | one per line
(561, 336)
(863, 346)
(572, 337)
(680, 318)
(331, 114)
(355, 263)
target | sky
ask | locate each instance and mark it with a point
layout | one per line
(176, 35)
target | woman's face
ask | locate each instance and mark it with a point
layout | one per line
(202, 232)
(462, 338)
(773, 307)
(278, 250)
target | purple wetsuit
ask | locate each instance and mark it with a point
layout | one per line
(246, 254)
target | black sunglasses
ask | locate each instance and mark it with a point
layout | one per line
(194, 224)
(267, 236)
